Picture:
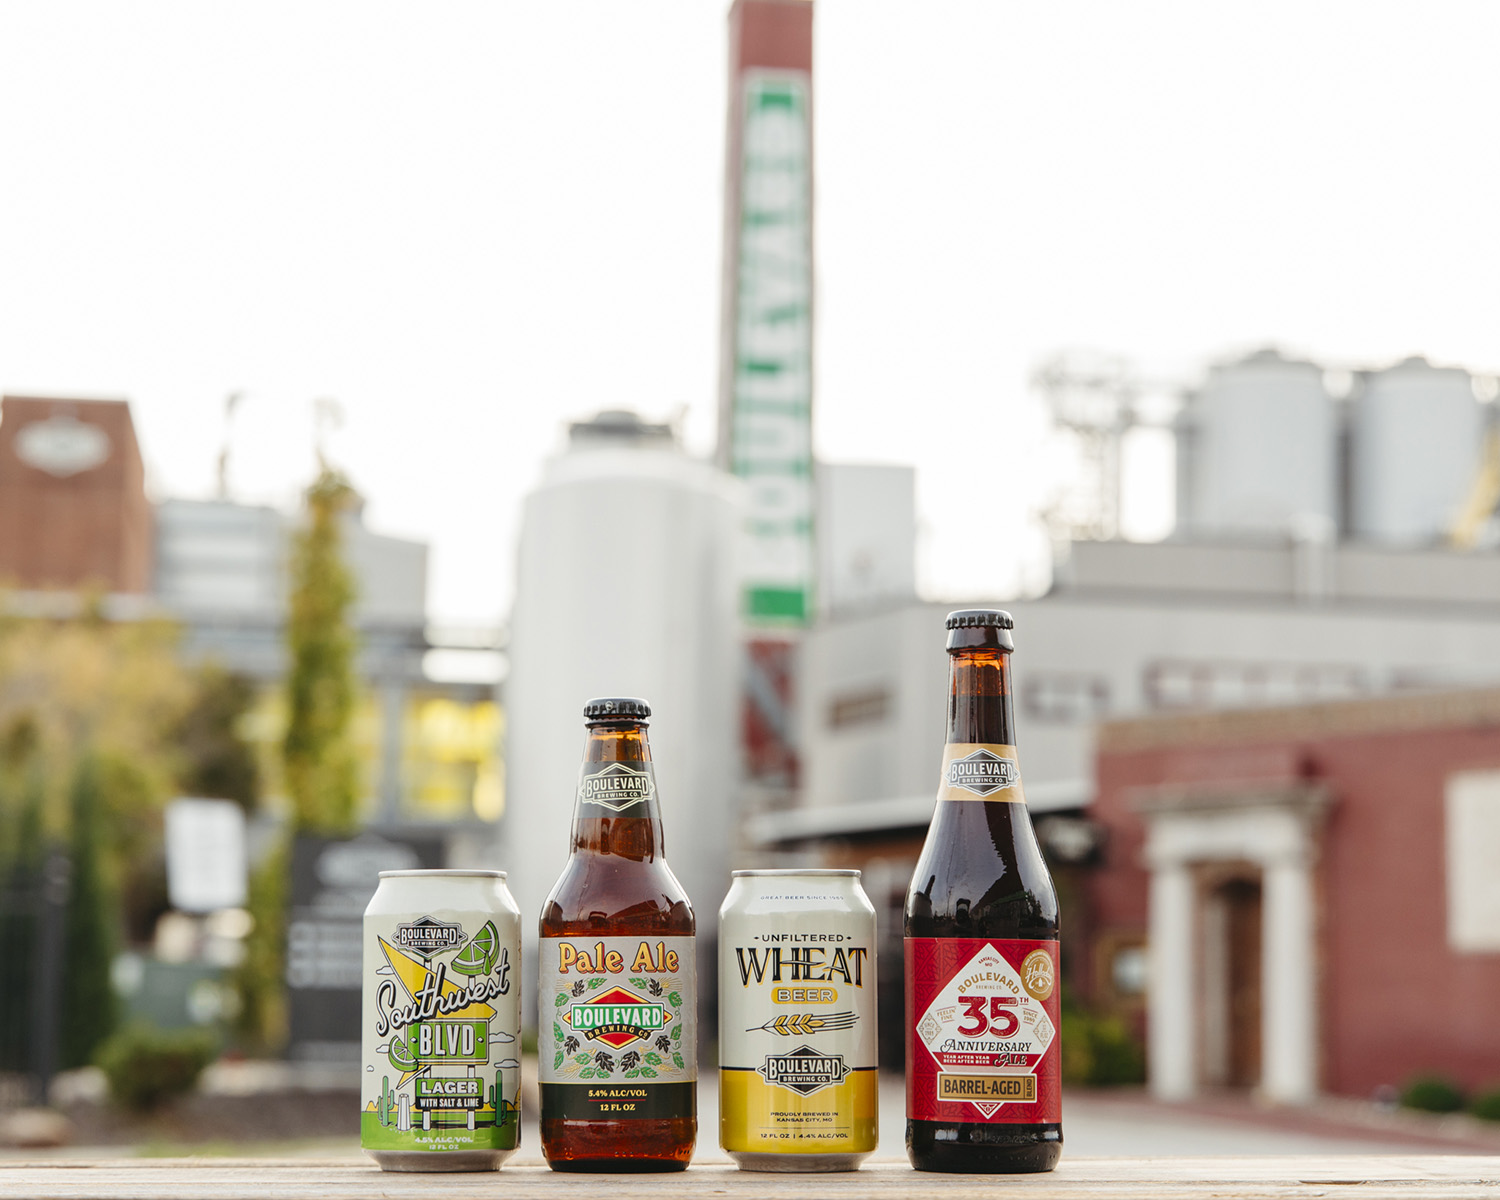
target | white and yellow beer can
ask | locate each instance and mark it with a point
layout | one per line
(798, 1078)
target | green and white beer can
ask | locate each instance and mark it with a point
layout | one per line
(441, 1085)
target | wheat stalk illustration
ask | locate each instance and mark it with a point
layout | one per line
(799, 1024)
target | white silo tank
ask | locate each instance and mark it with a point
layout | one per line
(1258, 448)
(1415, 445)
(626, 585)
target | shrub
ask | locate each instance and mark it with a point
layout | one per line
(145, 1066)
(1098, 1051)
(1432, 1093)
(1486, 1105)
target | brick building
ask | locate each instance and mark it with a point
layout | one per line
(1303, 899)
(73, 507)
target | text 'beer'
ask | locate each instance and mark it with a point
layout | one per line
(617, 1009)
(982, 1037)
(441, 1088)
(798, 1087)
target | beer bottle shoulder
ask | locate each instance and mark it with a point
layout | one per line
(610, 894)
(981, 874)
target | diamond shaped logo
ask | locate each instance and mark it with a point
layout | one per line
(983, 773)
(804, 1070)
(615, 786)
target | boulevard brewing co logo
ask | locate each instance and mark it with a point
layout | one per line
(428, 935)
(615, 787)
(804, 1070)
(983, 772)
(616, 1018)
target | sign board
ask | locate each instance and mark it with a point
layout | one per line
(770, 400)
(332, 882)
(205, 855)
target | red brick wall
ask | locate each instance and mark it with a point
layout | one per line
(1395, 1001)
(88, 528)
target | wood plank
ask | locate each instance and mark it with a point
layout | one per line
(1397, 1176)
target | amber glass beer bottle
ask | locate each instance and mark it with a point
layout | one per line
(982, 1037)
(617, 1005)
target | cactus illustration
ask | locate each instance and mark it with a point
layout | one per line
(387, 1104)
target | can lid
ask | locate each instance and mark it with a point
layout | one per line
(970, 618)
(443, 872)
(604, 707)
(797, 872)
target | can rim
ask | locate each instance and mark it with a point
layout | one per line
(804, 872)
(449, 872)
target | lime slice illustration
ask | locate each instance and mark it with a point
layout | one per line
(478, 957)
(401, 1054)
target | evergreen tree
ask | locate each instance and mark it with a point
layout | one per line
(317, 753)
(87, 1004)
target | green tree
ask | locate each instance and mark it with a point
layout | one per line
(318, 752)
(319, 768)
(88, 1010)
(217, 762)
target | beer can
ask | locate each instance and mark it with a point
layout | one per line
(441, 1085)
(798, 1084)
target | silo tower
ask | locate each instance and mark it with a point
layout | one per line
(626, 585)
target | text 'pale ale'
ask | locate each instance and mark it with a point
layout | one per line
(617, 1003)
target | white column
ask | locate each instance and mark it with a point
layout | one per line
(1288, 975)
(1170, 996)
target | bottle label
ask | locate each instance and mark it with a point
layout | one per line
(617, 1034)
(608, 789)
(981, 771)
(982, 1031)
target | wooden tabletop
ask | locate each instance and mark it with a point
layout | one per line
(1355, 1177)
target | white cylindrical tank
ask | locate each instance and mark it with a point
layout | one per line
(1258, 449)
(1416, 439)
(626, 585)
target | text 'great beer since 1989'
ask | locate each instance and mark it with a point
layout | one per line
(797, 1024)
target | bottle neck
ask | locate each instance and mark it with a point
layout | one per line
(979, 697)
(617, 811)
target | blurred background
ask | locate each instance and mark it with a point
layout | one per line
(378, 386)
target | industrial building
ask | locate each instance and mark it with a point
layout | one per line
(626, 585)
(74, 515)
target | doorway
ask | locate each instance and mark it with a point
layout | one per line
(1231, 1025)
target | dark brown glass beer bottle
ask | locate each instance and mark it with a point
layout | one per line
(617, 1004)
(982, 1021)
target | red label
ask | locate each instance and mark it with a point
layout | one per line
(983, 1040)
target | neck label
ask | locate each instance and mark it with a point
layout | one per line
(614, 786)
(981, 771)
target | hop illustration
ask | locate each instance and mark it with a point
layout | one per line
(629, 1060)
(664, 1044)
(604, 1062)
(570, 1044)
(655, 987)
(578, 988)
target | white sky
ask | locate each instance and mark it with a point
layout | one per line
(470, 222)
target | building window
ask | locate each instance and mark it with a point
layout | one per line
(859, 708)
(1208, 683)
(1064, 697)
(1472, 834)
